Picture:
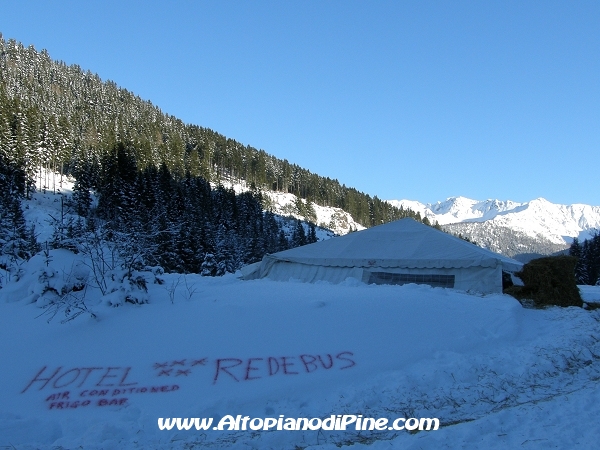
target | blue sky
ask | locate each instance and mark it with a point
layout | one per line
(420, 100)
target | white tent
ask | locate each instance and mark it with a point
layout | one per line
(400, 252)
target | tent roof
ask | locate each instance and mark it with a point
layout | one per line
(404, 243)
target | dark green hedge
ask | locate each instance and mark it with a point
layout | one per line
(548, 281)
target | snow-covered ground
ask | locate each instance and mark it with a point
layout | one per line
(495, 374)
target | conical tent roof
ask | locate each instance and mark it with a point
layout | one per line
(404, 243)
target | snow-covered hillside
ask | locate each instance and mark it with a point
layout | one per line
(558, 224)
(334, 219)
(47, 203)
(52, 189)
(286, 205)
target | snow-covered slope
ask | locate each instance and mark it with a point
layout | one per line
(46, 204)
(285, 204)
(558, 224)
(334, 219)
(52, 189)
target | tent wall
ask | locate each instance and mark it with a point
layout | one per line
(285, 271)
(485, 280)
(474, 279)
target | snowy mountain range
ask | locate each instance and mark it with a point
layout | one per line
(513, 228)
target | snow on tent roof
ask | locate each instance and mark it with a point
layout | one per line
(404, 243)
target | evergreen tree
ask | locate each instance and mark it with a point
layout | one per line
(209, 266)
(576, 250)
(587, 269)
(82, 198)
(17, 241)
(312, 234)
(299, 235)
(282, 242)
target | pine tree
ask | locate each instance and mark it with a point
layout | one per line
(82, 198)
(16, 239)
(282, 242)
(587, 269)
(299, 235)
(312, 234)
(209, 266)
(576, 250)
